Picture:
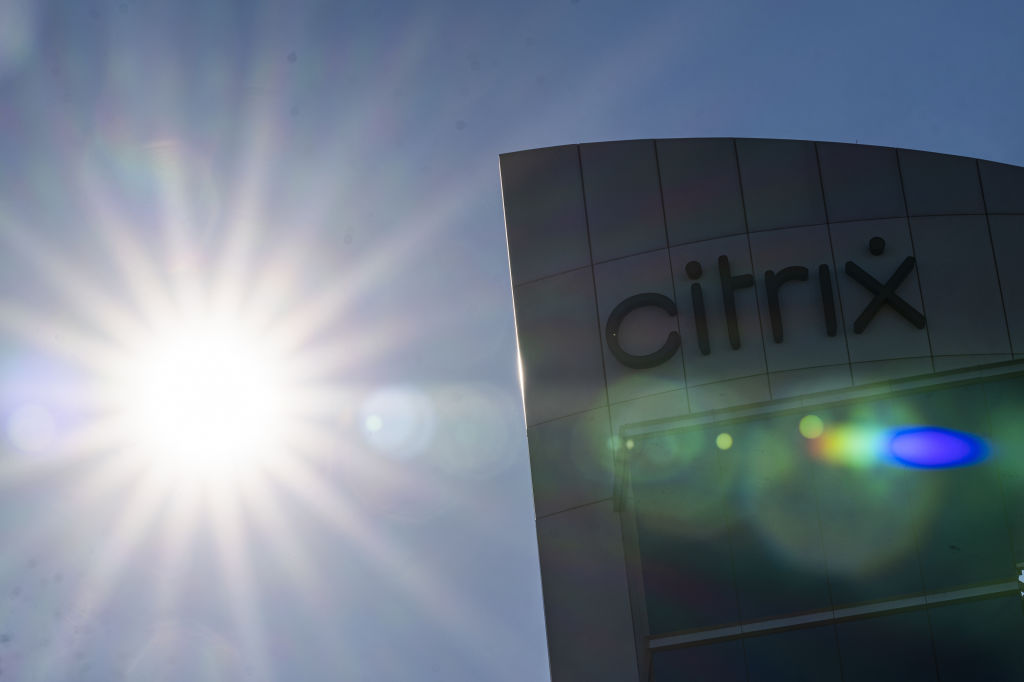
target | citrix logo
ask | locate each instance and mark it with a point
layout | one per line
(883, 294)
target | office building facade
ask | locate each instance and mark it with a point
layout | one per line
(773, 397)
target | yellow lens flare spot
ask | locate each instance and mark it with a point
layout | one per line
(723, 441)
(851, 445)
(811, 426)
(204, 399)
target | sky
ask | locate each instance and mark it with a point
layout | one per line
(328, 171)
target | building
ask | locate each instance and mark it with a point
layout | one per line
(773, 394)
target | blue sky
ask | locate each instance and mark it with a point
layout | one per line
(352, 149)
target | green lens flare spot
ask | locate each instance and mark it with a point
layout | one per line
(811, 426)
(723, 441)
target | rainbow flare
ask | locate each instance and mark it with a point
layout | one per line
(916, 446)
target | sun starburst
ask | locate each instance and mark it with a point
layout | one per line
(198, 394)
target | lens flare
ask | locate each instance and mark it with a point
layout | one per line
(851, 445)
(811, 426)
(932, 447)
(923, 447)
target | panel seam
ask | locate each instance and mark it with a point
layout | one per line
(995, 259)
(913, 250)
(835, 267)
(750, 259)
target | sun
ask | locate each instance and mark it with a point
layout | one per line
(195, 377)
(205, 398)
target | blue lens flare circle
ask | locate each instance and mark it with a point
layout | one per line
(931, 447)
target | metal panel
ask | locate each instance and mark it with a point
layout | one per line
(544, 214)
(781, 185)
(556, 322)
(586, 597)
(701, 187)
(620, 181)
